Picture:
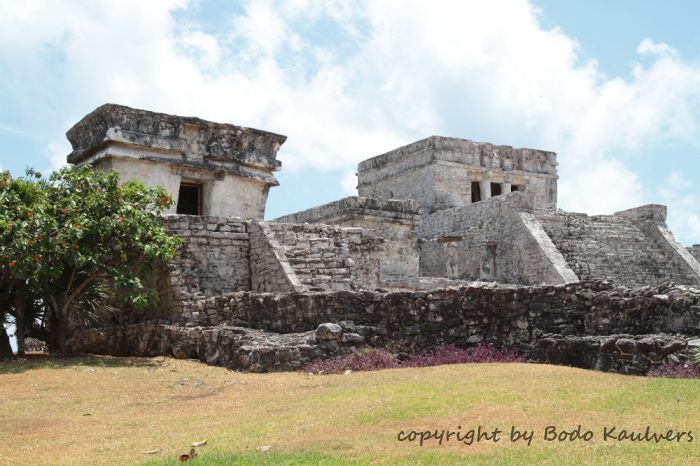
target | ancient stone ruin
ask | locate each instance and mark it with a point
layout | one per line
(450, 241)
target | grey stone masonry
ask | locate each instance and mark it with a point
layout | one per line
(213, 258)
(391, 219)
(632, 248)
(624, 353)
(270, 270)
(695, 251)
(223, 170)
(495, 240)
(237, 348)
(589, 324)
(199, 142)
(397, 217)
(435, 250)
(443, 172)
(330, 257)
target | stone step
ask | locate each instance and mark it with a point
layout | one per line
(611, 247)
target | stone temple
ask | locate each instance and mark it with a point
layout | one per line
(438, 214)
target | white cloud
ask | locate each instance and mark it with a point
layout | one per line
(648, 46)
(683, 206)
(349, 183)
(56, 153)
(205, 48)
(13, 130)
(397, 71)
(263, 28)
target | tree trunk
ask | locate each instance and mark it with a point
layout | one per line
(20, 324)
(61, 335)
(58, 331)
(5, 347)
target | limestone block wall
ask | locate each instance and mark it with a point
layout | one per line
(438, 172)
(408, 179)
(270, 270)
(632, 247)
(394, 220)
(213, 258)
(330, 257)
(494, 240)
(397, 218)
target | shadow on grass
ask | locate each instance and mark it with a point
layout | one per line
(44, 361)
(257, 458)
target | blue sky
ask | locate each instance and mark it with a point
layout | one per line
(612, 87)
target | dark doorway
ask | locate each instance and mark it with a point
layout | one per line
(189, 201)
(476, 192)
(495, 189)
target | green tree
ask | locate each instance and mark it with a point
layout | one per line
(17, 197)
(63, 239)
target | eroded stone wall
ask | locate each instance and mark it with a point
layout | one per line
(439, 171)
(393, 220)
(632, 248)
(270, 271)
(587, 324)
(469, 314)
(329, 257)
(213, 258)
(494, 240)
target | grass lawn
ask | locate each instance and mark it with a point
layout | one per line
(100, 410)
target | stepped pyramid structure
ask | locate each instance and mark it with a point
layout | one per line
(442, 214)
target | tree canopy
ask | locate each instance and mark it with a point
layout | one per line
(63, 237)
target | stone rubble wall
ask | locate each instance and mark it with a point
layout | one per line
(632, 248)
(469, 314)
(236, 348)
(494, 240)
(585, 324)
(624, 354)
(330, 257)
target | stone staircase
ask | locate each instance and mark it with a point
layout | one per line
(318, 254)
(612, 247)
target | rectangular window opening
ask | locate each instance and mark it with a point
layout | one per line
(495, 189)
(476, 192)
(189, 200)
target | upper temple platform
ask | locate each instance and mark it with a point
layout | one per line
(443, 172)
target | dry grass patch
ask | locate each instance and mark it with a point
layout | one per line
(101, 410)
